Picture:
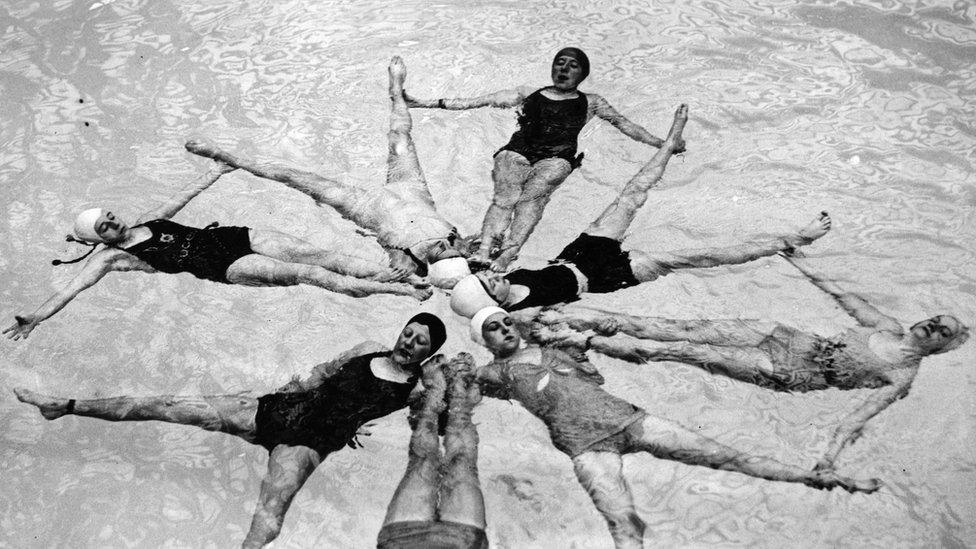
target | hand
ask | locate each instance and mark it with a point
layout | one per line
(388, 275)
(222, 168)
(401, 264)
(550, 315)
(828, 479)
(22, 328)
(679, 146)
(411, 101)
(366, 430)
(468, 245)
(607, 326)
(420, 291)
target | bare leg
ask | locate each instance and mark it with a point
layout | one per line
(616, 219)
(461, 499)
(650, 266)
(289, 249)
(403, 166)
(601, 475)
(547, 176)
(509, 175)
(734, 331)
(258, 270)
(415, 497)
(666, 439)
(288, 469)
(231, 414)
(338, 195)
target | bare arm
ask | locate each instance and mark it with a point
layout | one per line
(325, 370)
(491, 382)
(100, 264)
(500, 99)
(602, 109)
(863, 312)
(850, 428)
(186, 194)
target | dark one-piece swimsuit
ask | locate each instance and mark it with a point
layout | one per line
(600, 259)
(548, 128)
(327, 417)
(205, 253)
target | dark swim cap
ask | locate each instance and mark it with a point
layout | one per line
(438, 333)
(579, 56)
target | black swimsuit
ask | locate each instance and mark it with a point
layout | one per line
(204, 253)
(327, 417)
(548, 128)
(600, 259)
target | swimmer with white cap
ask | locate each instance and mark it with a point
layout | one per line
(596, 262)
(542, 152)
(231, 255)
(595, 428)
(401, 213)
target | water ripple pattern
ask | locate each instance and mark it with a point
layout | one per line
(864, 109)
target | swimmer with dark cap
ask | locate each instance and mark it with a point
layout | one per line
(229, 255)
(299, 425)
(542, 152)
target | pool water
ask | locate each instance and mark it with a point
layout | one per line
(862, 109)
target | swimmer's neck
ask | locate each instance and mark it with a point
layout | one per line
(133, 236)
(552, 92)
(530, 353)
(384, 367)
(517, 293)
(892, 349)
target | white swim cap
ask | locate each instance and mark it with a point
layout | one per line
(447, 272)
(469, 297)
(85, 225)
(478, 322)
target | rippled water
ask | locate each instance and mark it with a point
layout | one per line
(864, 109)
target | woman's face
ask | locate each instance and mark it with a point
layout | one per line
(413, 344)
(937, 333)
(500, 335)
(110, 228)
(566, 73)
(495, 284)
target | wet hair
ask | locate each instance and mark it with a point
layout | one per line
(579, 56)
(438, 333)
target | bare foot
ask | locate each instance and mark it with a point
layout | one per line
(674, 139)
(398, 74)
(504, 259)
(828, 479)
(817, 228)
(50, 407)
(435, 386)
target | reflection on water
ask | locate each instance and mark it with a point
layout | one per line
(863, 110)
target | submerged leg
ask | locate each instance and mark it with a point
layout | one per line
(461, 499)
(616, 219)
(288, 469)
(666, 439)
(231, 414)
(509, 174)
(547, 176)
(258, 270)
(333, 193)
(415, 497)
(601, 475)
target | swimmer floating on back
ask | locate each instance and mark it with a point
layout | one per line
(542, 152)
(595, 428)
(438, 503)
(300, 426)
(231, 255)
(877, 354)
(595, 262)
(401, 213)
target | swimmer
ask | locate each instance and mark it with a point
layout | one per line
(401, 213)
(878, 353)
(595, 428)
(230, 255)
(439, 503)
(542, 152)
(299, 425)
(595, 261)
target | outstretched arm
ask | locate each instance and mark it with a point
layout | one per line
(98, 266)
(186, 194)
(500, 99)
(850, 428)
(863, 312)
(602, 109)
